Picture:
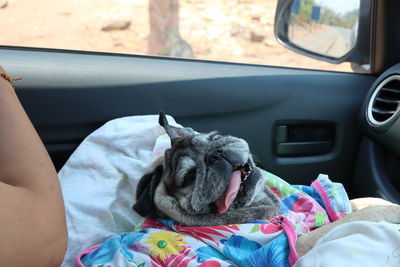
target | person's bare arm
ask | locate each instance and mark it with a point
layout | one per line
(32, 222)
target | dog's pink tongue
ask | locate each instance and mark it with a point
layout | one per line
(226, 200)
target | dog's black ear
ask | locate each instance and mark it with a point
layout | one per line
(173, 132)
(145, 192)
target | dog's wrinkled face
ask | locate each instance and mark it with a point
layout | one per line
(209, 173)
(205, 179)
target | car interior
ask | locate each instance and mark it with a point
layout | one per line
(298, 122)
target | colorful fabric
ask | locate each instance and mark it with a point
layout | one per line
(256, 243)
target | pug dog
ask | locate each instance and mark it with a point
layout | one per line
(210, 179)
(203, 180)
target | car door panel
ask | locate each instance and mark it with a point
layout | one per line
(68, 94)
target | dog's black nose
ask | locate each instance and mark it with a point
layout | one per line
(214, 156)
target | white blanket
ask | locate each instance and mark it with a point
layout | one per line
(99, 183)
(99, 180)
(356, 244)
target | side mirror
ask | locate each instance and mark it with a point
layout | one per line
(330, 30)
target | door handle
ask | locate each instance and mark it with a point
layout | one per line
(297, 149)
(303, 140)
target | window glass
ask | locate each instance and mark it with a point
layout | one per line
(223, 30)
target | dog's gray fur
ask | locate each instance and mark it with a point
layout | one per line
(194, 173)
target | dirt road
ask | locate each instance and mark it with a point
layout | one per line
(227, 30)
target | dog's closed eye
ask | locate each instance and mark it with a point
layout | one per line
(185, 172)
(188, 178)
(213, 157)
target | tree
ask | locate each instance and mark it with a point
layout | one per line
(164, 37)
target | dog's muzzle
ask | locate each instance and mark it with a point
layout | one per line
(238, 177)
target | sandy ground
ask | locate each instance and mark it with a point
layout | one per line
(227, 30)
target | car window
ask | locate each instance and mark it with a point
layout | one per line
(224, 30)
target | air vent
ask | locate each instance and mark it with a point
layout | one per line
(384, 103)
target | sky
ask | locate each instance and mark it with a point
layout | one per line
(340, 6)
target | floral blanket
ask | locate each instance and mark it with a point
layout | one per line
(256, 243)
